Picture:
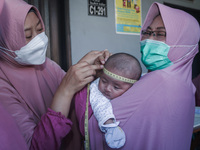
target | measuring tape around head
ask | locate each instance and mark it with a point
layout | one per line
(87, 140)
(127, 80)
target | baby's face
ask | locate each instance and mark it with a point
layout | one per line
(112, 88)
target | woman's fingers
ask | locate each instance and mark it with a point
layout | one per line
(80, 74)
(83, 72)
(102, 58)
(107, 54)
(87, 72)
(90, 57)
(96, 57)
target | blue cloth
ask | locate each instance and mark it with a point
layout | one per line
(115, 137)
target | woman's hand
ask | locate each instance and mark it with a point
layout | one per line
(101, 59)
(75, 79)
(96, 57)
(79, 75)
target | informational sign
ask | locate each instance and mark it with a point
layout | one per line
(128, 16)
(97, 8)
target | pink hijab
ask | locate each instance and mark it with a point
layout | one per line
(26, 91)
(1, 5)
(157, 113)
(10, 135)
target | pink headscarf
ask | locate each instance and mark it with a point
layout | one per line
(10, 135)
(26, 91)
(1, 5)
(157, 113)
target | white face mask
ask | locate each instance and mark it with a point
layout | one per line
(34, 53)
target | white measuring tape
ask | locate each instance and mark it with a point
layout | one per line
(118, 77)
(87, 140)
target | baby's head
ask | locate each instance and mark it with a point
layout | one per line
(119, 64)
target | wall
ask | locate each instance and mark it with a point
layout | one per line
(98, 33)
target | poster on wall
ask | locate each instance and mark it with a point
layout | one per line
(128, 16)
(97, 8)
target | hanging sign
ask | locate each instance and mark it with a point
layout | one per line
(97, 8)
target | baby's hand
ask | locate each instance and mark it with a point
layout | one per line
(115, 137)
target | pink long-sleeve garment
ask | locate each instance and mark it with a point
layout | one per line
(157, 113)
(11, 138)
(27, 91)
(10, 135)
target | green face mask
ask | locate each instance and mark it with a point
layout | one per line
(154, 54)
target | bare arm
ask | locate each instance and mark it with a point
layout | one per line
(76, 78)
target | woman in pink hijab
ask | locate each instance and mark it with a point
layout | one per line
(157, 113)
(34, 89)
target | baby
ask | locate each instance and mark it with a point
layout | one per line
(120, 72)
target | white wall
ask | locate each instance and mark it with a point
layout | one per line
(98, 33)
